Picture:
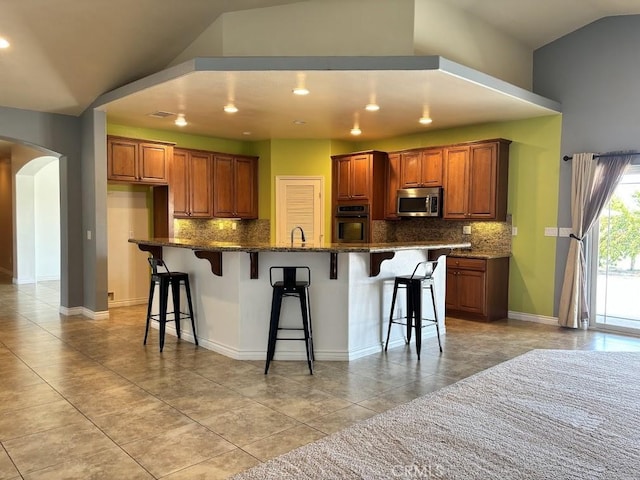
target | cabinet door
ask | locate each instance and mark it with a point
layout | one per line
(411, 170)
(122, 159)
(471, 291)
(360, 177)
(153, 162)
(451, 293)
(223, 186)
(482, 181)
(179, 183)
(432, 168)
(455, 182)
(392, 184)
(200, 178)
(246, 181)
(342, 177)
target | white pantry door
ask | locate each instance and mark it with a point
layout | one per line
(300, 203)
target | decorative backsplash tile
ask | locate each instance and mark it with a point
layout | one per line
(485, 236)
(222, 230)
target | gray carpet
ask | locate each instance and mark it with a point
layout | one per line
(548, 414)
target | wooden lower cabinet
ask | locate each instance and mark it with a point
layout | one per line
(477, 288)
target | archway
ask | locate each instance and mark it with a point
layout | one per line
(37, 218)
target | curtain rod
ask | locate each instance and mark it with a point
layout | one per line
(567, 157)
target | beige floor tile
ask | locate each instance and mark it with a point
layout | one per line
(27, 396)
(45, 449)
(283, 442)
(336, 421)
(218, 468)
(406, 393)
(248, 424)
(39, 418)
(112, 463)
(7, 468)
(177, 449)
(137, 423)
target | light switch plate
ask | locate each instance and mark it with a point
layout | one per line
(564, 232)
(514, 231)
(550, 231)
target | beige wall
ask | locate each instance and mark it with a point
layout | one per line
(6, 217)
(367, 28)
(441, 29)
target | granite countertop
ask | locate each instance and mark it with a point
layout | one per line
(469, 253)
(297, 247)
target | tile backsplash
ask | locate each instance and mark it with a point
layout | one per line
(223, 230)
(485, 236)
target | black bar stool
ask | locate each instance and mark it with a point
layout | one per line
(164, 279)
(414, 285)
(290, 286)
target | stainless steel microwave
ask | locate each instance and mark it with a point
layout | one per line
(419, 202)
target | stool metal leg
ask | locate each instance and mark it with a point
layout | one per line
(435, 314)
(175, 295)
(152, 288)
(190, 305)
(276, 304)
(393, 305)
(304, 307)
(164, 294)
(416, 292)
(411, 310)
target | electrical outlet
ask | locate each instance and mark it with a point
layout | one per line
(220, 226)
(514, 231)
(88, 234)
(466, 230)
(234, 225)
(550, 231)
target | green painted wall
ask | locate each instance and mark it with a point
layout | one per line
(534, 166)
(183, 140)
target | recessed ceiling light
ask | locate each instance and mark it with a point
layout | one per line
(356, 131)
(230, 108)
(299, 122)
(4, 43)
(246, 133)
(181, 121)
(425, 120)
(300, 91)
(372, 107)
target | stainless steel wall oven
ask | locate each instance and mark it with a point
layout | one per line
(351, 224)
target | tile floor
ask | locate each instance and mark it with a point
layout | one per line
(85, 399)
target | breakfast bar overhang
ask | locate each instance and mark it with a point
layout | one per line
(350, 293)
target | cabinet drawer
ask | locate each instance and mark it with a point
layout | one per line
(467, 263)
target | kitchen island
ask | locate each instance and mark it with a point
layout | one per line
(350, 293)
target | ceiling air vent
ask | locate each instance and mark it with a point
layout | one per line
(161, 114)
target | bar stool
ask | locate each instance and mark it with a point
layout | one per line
(414, 285)
(164, 280)
(290, 286)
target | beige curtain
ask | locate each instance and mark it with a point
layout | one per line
(593, 181)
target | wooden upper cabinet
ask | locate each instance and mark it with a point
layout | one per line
(135, 161)
(191, 183)
(352, 176)
(235, 189)
(475, 180)
(421, 168)
(392, 183)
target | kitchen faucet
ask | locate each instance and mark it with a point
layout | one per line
(301, 234)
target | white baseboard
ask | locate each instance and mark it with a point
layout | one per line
(85, 312)
(23, 281)
(48, 278)
(128, 303)
(528, 317)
